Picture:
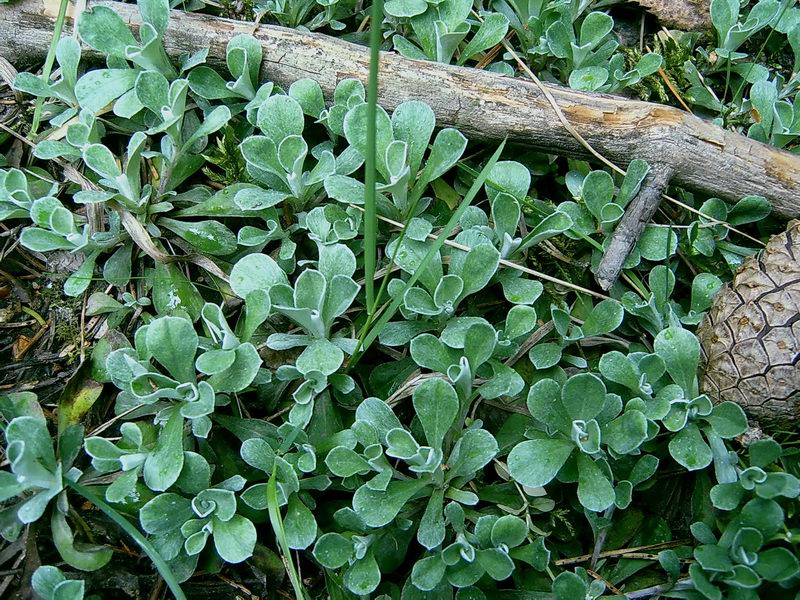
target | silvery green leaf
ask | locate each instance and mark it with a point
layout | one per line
(476, 268)
(348, 190)
(378, 415)
(333, 550)
(535, 463)
(163, 466)
(519, 290)
(427, 573)
(551, 226)
(309, 291)
(355, 130)
(321, 356)
(598, 190)
(489, 34)
(98, 88)
(210, 237)
(406, 48)
(413, 123)
(279, 117)
(618, 368)
(405, 8)
(100, 160)
(520, 321)
(31, 84)
(299, 524)
(344, 462)
(117, 268)
(104, 30)
(308, 94)
(207, 83)
(436, 404)
(173, 343)
(689, 449)
(241, 373)
(87, 558)
(595, 491)
(429, 352)
(509, 177)
(336, 259)
(544, 356)
(50, 149)
(174, 292)
(657, 243)
(401, 444)
(431, 532)
(378, 508)
(505, 381)
(152, 91)
(588, 79)
(473, 450)
(604, 318)
(156, 13)
(254, 272)
(749, 209)
(79, 281)
(258, 453)
(724, 15)
(634, 177)
(505, 214)
(419, 301)
(583, 396)
(243, 56)
(261, 153)
(448, 148)
(497, 563)
(364, 576)
(509, 531)
(213, 121)
(626, 433)
(399, 333)
(727, 419)
(680, 351)
(235, 539)
(50, 584)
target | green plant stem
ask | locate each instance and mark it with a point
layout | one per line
(280, 536)
(141, 540)
(48, 64)
(370, 175)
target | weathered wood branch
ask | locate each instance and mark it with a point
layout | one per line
(483, 105)
(630, 228)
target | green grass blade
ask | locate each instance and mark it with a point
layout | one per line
(127, 527)
(370, 175)
(48, 64)
(280, 536)
(434, 248)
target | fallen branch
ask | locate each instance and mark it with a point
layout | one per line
(483, 105)
(630, 228)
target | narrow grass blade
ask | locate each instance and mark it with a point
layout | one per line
(48, 63)
(127, 527)
(370, 174)
(280, 535)
(434, 248)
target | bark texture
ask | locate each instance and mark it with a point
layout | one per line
(688, 15)
(630, 228)
(485, 106)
